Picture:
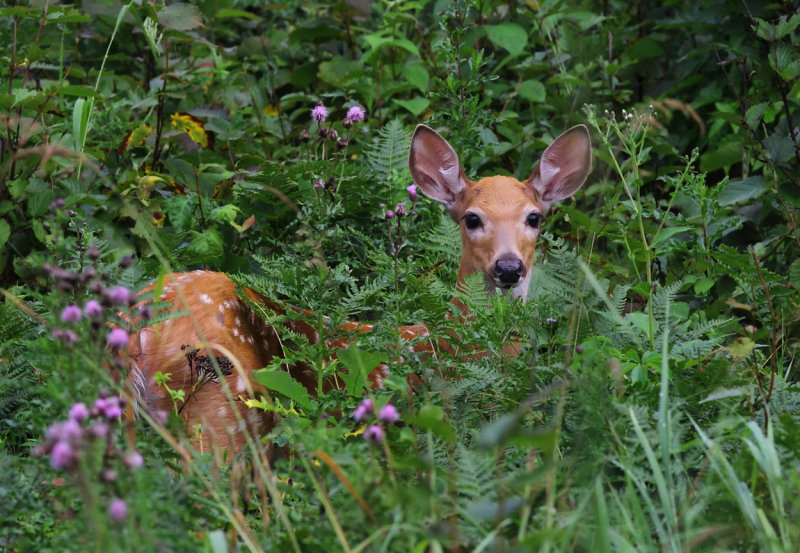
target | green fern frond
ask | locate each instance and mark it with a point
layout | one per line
(389, 152)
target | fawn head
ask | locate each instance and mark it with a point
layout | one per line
(499, 216)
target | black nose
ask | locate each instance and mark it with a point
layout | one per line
(509, 269)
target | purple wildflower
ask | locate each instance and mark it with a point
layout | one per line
(389, 214)
(117, 338)
(111, 409)
(356, 114)
(69, 430)
(400, 209)
(99, 429)
(78, 412)
(412, 192)
(71, 314)
(61, 456)
(134, 460)
(93, 309)
(388, 413)
(117, 509)
(374, 434)
(360, 413)
(319, 113)
(550, 320)
(120, 296)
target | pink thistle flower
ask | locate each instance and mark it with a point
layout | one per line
(112, 409)
(66, 431)
(388, 413)
(78, 412)
(71, 314)
(99, 429)
(356, 114)
(117, 509)
(374, 434)
(121, 296)
(319, 113)
(61, 456)
(389, 214)
(93, 309)
(117, 338)
(412, 192)
(134, 460)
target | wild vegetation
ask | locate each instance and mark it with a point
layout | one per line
(655, 404)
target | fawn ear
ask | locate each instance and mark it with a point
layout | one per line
(564, 166)
(435, 167)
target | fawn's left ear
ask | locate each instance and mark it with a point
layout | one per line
(564, 166)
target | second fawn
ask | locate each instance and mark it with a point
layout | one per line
(499, 219)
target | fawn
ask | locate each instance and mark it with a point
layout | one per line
(499, 219)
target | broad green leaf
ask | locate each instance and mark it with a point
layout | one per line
(283, 383)
(417, 75)
(339, 71)
(80, 123)
(780, 148)
(533, 91)
(754, 114)
(82, 90)
(665, 233)
(359, 364)
(794, 274)
(786, 26)
(231, 13)
(415, 106)
(640, 320)
(431, 417)
(510, 36)
(5, 232)
(742, 190)
(703, 285)
(645, 48)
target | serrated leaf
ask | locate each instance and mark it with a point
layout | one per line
(533, 91)
(754, 114)
(510, 36)
(359, 364)
(742, 190)
(180, 17)
(786, 26)
(794, 273)
(283, 383)
(779, 148)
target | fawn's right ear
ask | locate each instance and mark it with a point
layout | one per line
(435, 167)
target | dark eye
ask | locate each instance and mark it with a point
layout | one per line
(472, 221)
(534, 219)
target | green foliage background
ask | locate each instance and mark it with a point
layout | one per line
(655, 403)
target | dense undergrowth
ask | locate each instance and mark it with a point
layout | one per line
(654, 406)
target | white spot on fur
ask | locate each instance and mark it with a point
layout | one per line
(238, 321)
(241, 338)
(241, 385)
(205, 298)
(221, 308)
(250, 339)
(235, 331)
(222, 412)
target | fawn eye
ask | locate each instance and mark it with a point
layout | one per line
(534, 219)
(472, 221)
